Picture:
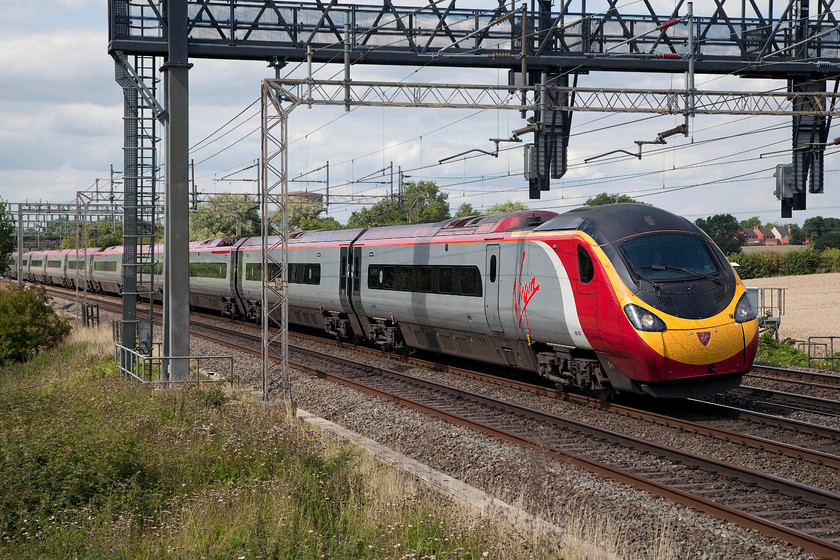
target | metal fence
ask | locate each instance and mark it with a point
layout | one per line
(155, 369)
(823, 352)
(769, 304)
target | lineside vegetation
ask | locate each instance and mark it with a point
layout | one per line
(92, 466)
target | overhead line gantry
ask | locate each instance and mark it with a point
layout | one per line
(544, 50)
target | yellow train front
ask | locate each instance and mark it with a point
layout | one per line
(655, 301)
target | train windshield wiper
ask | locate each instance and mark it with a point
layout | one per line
(714, 279)
(641, 276)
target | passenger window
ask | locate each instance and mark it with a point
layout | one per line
(406, 279)
(374, 277)
(388, 277)
(445, 280)
(424, 278)
(493, 268)
(586, 268)
(469, 281)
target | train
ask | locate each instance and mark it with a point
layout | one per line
(611, 300)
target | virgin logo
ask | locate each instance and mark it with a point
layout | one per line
(523, 293)
(704, 337)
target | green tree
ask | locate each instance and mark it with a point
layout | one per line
(751, 223)
(421, 202)
(466, 209)
(606, 198)
(99, 234)
(506, 207)
(796, 237)
(8, 243)
(222, 214)
(815, 228)
(308, 216)
(27, 322)
(724, 230)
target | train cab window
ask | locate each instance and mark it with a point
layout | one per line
(446, 279)
(469, 283)
(586, 269)
(424, 278)
(493, 268)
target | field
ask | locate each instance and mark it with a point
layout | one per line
(812, 304)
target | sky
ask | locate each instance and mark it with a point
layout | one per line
(61, 131)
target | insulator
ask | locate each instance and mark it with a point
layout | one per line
(504, 55)
(669, 23)
(670, 55)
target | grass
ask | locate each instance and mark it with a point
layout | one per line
(785, 353)
(92, 466)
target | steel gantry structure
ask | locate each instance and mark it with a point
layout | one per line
(544, 49)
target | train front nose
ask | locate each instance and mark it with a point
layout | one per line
(707, 350)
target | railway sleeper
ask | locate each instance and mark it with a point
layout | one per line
(565, 369)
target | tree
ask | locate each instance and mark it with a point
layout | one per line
(606, 198)
(795, 236)
(421, 202)
(8, 229)
(27, 322)
(466, 209)
(308, 216)
(99, 234)
(724, 230)
(506, 207)
(815, 228)
(222, 214)
(751, 223)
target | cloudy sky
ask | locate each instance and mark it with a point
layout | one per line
(61, 130)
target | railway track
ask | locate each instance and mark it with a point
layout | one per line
(796, 513)
(793, 512)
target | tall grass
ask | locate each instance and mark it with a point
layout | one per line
(92, 466)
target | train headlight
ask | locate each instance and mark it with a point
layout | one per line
(744, 310)
(642, 319)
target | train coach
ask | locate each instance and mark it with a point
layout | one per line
(616, 299)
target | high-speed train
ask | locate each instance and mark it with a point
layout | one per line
(622, 298)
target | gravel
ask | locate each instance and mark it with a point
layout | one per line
(552, 490)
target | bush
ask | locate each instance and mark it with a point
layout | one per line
(781, 353)
(751, 265)
(830, 260)
(27, 323)
(800, 262)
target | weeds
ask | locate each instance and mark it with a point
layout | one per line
(92, 466)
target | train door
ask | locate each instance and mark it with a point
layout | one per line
(491, 288)
(349, 285)
(356, 274)
(344, 279)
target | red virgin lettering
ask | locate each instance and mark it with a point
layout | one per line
(523, 293)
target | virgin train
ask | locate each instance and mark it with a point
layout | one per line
(614, 299)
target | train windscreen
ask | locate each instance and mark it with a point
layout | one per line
(664, 257)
